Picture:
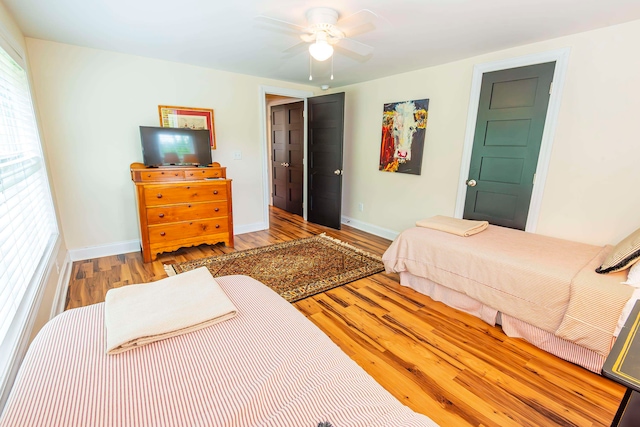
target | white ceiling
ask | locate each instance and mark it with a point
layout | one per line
(409, 34)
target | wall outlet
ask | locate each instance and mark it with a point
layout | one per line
(361, 207)
(237, 155)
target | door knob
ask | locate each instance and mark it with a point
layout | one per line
(337, 171)
(471, 182)
(281, 164)
(286, 165)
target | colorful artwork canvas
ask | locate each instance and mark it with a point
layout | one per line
(404, 126)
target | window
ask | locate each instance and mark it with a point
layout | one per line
(27, 219)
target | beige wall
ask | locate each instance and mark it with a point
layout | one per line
(590, 194)
(10, 29)
(93, 102)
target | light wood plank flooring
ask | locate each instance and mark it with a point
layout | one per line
(446, 364)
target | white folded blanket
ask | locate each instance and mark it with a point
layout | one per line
(137, 315)
(460, 227)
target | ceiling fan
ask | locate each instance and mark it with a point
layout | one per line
(325, 29)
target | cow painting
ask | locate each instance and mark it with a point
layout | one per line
(403, 131)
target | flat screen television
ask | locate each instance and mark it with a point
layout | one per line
(175, 146)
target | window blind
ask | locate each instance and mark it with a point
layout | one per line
(27, 218)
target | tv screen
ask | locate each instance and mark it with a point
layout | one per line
(174, 146)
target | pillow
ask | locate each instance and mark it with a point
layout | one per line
(624, 254)
(633, 278)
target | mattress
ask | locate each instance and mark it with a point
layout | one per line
(268, 366)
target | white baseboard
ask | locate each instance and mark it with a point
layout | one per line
(104, 250)
(250, 228)
(60, 298)
(134, 245)
(370, 228)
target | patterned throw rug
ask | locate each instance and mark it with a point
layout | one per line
(296, 269)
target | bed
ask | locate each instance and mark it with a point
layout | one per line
(267, 366)
(539, 288)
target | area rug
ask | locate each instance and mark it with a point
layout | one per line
(296, 269)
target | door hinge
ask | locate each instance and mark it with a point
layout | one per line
(550, 88)
(534, 179)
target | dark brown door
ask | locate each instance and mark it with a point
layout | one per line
(287, 144)
(325, 126)
(511, 115)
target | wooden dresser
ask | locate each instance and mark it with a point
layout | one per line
(182, 206)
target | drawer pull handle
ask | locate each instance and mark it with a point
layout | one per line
(148, 175)
(175, 174)
(159, 196)
(162, 233)
(161, 215)
(162, 173)
(190, 223)
(191, 174)
(217, 225)
(189, 188)
(215, 191)
(216, 209)
(188, 206)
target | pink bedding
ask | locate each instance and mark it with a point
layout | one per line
(546, 282)
(268, 366)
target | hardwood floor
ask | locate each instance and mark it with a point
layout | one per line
(446, 364)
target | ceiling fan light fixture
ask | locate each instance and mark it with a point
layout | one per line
(321, 50)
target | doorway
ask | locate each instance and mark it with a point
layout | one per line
(268, 96)
(560, 58)
(324, 117)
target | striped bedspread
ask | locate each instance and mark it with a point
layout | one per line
(268, 366)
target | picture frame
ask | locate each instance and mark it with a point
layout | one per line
(403, 136)
(188, 117)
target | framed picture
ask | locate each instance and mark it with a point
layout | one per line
(187, 117)
(403, 131)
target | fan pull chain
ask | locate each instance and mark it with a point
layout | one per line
(310, 68)
(332, 66)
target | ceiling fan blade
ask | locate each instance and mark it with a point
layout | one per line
(356, 47)
(361, 17)
(296, 49)
(360, 29)
(278, 24)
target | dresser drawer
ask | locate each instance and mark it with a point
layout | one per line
(156, 195)
(162, 175)
(183, 230)
(186, 212)
(203, 173)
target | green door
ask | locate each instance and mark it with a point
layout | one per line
(511, 115)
